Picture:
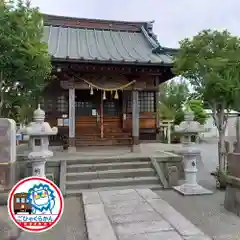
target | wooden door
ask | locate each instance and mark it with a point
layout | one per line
(112, 114)
(87, 109)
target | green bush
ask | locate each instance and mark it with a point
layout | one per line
(199, 112)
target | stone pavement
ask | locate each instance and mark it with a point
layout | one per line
(147, 150)
(137, 215)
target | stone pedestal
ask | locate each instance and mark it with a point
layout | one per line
(232, 194)
(191, 187)
(188, 128)
(38, 132)
(7, 176)
(136, 148)
(7, 154)
(71, 149)
(38, 168)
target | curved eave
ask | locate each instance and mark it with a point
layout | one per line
(157, 48)
(101, 62)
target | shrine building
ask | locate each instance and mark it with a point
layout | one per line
(107, 76)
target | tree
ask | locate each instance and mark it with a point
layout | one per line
(25, 65)
(197, 107)
(175, 93)
(173, 96)
(211, 62)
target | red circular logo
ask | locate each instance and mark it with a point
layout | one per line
(35, 204)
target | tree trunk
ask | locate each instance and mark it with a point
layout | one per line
(221, 119)
(1, 92)
(221, 150)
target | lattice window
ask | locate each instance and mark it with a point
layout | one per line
(47, 105)
(129, 102)
(62, 104)
(146, 101)
(84, 108)
(110, 108)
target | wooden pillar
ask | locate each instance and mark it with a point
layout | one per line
(135, 121)
(101, 117)
(72, 145)
(157, 105)
(124, 110)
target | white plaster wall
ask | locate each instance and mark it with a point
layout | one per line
(211, 129)
(231, 127)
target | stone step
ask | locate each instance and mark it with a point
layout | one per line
(111, 182)
(104, 142)
(119, 173)
(103, 159)
(107, 166)
(74, 192)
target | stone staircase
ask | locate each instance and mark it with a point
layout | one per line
(111, 136)
(108, 173)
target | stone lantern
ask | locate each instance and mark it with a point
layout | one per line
(39, 132)
(189, 128)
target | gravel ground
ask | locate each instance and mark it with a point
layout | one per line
(8, 230)
(206, 212)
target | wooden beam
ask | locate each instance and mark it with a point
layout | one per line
(126, 69)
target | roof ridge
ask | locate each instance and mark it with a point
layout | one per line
(157, 48)
(154, 43)
(95, 19)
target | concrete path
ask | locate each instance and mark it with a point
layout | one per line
(135, 215)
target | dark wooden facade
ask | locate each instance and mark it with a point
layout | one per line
(87, 100)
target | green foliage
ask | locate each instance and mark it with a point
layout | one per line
(173, 96)
(199, 113)
(179, 116)
(211, 62)
(166, 112)
(25, 65)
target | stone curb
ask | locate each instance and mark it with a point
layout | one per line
(97, 222)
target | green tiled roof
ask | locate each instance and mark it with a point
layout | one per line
(103, 45)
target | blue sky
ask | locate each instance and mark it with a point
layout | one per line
(174, 19)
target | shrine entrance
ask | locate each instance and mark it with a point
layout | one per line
(97, 114)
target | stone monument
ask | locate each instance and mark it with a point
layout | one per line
(38, 132)
(189, 128)
(232, 194)
(7, 153)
